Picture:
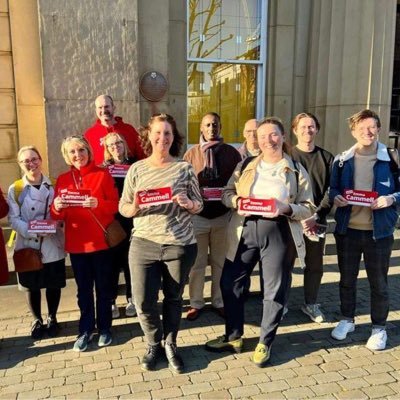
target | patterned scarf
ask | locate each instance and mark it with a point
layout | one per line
(209, 149)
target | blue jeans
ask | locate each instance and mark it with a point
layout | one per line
(376, 253)
(271, 243)
(93, 269)
(150, 263)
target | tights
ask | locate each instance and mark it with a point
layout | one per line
(34, 303)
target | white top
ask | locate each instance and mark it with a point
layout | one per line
(270, 182)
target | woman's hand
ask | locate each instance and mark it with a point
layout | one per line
(281, 209)
(183, 200)
(382, 202)
(242, 213)
(309, 224)
(59, 203)
(340, 201)
(90, 202)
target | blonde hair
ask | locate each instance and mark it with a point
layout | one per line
(75, 139)
(107, 154)
(26, 148)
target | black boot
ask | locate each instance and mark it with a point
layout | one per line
(175, 362)
(149, 360)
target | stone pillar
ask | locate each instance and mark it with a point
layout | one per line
(350, 65)
(162, 48)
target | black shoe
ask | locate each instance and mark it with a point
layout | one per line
(37, 330)
(175, 362)
(53, 328)
(149, 360)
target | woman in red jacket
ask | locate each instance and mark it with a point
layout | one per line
(3, 254)
(90, 256)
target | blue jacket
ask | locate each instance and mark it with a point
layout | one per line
(342, 177)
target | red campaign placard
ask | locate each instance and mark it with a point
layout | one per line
(154, 197)
(42, 226)
(360, 197)
(265, 207)
(118, 170)
(212, 193)
(74, 197)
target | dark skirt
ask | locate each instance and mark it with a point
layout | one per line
(52, 276)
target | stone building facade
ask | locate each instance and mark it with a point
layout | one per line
(330, 57)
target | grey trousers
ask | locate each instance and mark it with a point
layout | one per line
(150, 263)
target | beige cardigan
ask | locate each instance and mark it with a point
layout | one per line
(300, 201)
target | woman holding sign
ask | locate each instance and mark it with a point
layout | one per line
(87, 201)
(117, 161)
(29, 200)
(160, 193)
(271, 195)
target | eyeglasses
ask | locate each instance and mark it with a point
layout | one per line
(33, 160)
(115, 144)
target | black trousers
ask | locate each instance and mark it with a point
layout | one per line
(270, 242)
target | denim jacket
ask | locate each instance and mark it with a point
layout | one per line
(342, 177)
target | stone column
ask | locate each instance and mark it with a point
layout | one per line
(350, 65)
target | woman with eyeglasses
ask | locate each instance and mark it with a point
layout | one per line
(117, 161)
(86, 201)
(29, 199)
(161, 193)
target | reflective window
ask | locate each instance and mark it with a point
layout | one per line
(225, 65)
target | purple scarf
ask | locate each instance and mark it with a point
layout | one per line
(209, 149)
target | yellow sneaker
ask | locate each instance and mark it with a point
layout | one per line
(222, 344)
(261, 355)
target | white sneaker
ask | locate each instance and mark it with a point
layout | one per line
(314, 312)
(130, 310)
(115, 311)
(377, 340)
(342, 329)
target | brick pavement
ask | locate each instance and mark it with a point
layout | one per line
(305, 361)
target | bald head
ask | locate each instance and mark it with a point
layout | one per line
(250, 134)
(105, 109)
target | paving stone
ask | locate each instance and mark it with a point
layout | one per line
(254, 379)
(216, 395)
(226, 383)
(325, 388)
(127, 379)
(233, 373)
(301, 381)
(49, 383)
(378, 368)
(93, 367)
(34, 394)
(166, 393)
(299, 393)
(358, 362)
(205, 377)
(175, 381)
(136, 396)
(311, 360)
(308, 370)
(332, 366)
(379, 379)
(110, 373)
(353, 372)
(273, 386)
(281, 374)
(379, 391)
(36, 376)
(144, 386)
(114, 391)
(244, 391)
(97, 384)
(66, 389)
(328, 377)
(352, 394)
(196, 388)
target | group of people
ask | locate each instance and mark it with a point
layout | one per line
(181, 215)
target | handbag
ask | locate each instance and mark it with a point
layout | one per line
(114, 234)
(27, 260)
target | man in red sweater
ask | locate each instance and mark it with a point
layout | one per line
(107, 122)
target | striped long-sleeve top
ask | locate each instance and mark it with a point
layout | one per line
(165, 223)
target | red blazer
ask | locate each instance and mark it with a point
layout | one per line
(82, 233)
(96, 133)
(3, 254)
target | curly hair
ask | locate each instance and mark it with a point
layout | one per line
(144, 131)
